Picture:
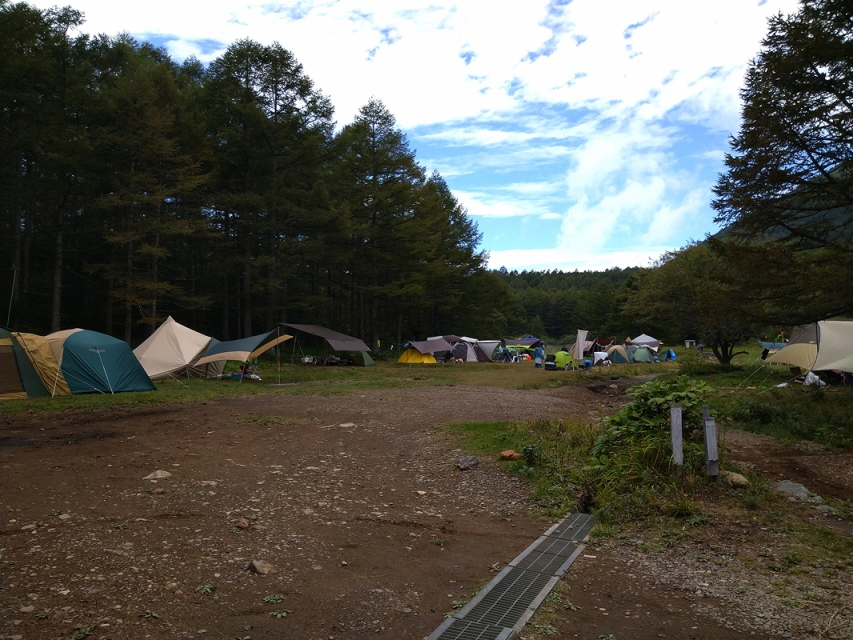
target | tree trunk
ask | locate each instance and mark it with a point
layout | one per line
(374, 311)
(247, 287)
(225, 308)
(152, 322)
(23, 311)
(128, 303)
(57, 281)
(271, 278)
(108, 312)
(12, 315)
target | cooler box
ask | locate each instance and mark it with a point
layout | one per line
(550, 366)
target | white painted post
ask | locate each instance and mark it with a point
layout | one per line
(712, 465)
(675, 432)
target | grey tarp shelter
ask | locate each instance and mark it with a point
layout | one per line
(338, 341)
(645, 341)
(432, 345)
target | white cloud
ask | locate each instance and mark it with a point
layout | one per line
(604, 99)
(571, 258)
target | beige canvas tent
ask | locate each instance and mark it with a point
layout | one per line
(172, 350)
(44, 362)
(823, 346)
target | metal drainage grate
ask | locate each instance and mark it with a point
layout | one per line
(456, 629)
(576, 529)
(505, 605)
(507, 601)
(549, 556)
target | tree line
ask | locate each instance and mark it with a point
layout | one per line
(134, 187)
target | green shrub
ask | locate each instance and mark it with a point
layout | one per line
(632, 474)
(798, 413)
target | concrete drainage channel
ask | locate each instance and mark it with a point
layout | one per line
(502, 608)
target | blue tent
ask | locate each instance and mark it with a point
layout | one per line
(93, 362)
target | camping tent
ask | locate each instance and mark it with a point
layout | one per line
(468, 350)
(422, 352)
(360, 358)
(354, 349)
(563, 358)
(242, 350)
(821, 346)
(44, 362)
(93, 362)
(413, 356)
(645, 341)
(463, 348)
(172, 350)
(617, 354)
(641, 353)
(18, 377)
(488, 346)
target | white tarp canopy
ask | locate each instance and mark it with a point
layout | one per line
(645, 341)
(488, 346)
(835, 346)
(827, 345)
(580, 345)
(172, 350)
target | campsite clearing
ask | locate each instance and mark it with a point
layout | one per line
(371, 530)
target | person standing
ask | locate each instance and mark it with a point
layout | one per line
(538, 356)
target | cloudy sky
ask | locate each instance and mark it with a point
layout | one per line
(580, 134)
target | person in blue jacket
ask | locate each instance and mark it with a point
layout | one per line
(538, 356)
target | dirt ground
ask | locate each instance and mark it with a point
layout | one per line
(354, 500)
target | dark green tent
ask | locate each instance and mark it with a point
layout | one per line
(360, 358)
(643, 355)
(95, 362)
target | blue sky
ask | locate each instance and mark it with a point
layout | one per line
(579, 134)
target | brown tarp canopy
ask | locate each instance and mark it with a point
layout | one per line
(338, 341)
(433, 345)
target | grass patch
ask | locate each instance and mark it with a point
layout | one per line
(326, 381)
(555, 453)
(795, 413)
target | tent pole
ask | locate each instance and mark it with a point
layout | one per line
(292, 357)
(175, 378)
(278, 353)
(12, 295)
(106, 375)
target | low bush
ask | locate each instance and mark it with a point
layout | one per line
(632, 474)
(798, 413)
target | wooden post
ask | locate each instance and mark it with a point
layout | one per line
(712, 465)
(675, 432)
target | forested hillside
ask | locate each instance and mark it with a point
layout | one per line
(134, 187)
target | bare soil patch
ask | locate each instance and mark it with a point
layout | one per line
(354, 499)
(823, 471)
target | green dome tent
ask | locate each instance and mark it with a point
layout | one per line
(93, 362)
